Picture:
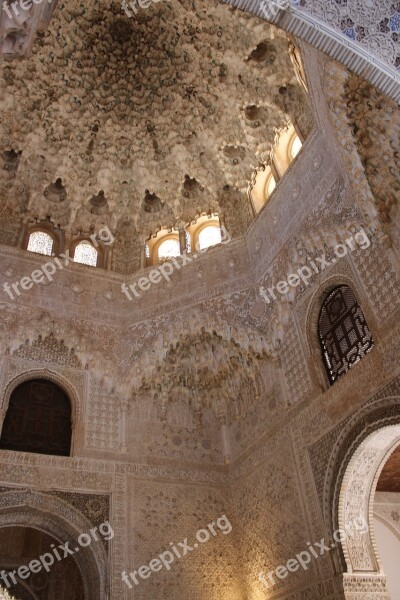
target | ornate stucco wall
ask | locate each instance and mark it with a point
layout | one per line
(261, 453)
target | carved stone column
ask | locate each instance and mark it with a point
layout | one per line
(21, 237)
(65, 242)
(182, 236)
(143, 259)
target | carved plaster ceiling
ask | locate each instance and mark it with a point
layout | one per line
(172, 108)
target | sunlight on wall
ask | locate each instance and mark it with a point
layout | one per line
(389, 552)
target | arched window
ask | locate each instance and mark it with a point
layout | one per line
(262, 186)
(343, 332)
(270, 186)
(169, 248)
(209, 236)
(295, 147)
(41, 243)
(85, 254)
(38, 419)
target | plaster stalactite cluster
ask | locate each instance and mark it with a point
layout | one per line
(205, 371)
(375, 122)
(42, 339)
(336, 78)
(354, 120)
(39, 339)
(43, 350)
(141, 122)
(237, 214)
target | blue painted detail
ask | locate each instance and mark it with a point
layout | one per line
(350, 33)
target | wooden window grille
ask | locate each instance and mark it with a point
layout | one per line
(343, 332)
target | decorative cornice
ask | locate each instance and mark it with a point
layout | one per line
(23, 463)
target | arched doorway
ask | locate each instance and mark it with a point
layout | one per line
(22, 547)
(365, 570)
(38, 419)
(57, 522)
(387, 521)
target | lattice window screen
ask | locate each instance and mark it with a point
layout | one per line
(343, 332)
(41, 243)
(85, 254)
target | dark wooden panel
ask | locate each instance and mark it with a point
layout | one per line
(38, 419)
